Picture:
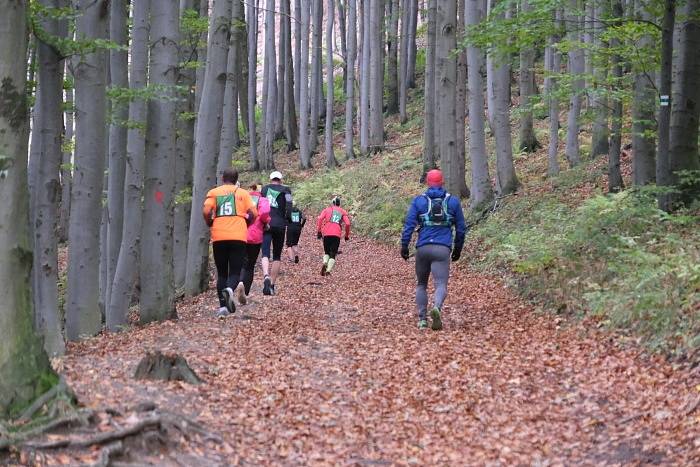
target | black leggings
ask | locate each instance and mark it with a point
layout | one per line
(273, 239)
(229, 256)
(331, 245)
(252, 252)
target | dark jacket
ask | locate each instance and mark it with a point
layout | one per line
(280, 198)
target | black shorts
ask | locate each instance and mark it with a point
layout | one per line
(273, 239)
(293, 234)
(331, 245)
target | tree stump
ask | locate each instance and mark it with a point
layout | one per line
(172, 367)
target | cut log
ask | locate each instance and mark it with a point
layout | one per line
(172, 367)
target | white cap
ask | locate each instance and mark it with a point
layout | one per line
(276, 174)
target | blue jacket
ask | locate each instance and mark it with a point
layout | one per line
(434, 235)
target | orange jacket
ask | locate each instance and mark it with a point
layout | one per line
(331, 220)
(226, 210)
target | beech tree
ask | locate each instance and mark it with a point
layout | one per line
(24, 366)
(527, 140)
(330, 156)
(376, 77)
(83, 316)
(350, 80)
(429, 96)
(303, 85)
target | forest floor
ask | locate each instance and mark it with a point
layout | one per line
(333, 371)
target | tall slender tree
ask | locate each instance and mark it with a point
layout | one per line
(83, 317)
(23, 362)
(252, 21)
(66, 161)
(269, 83)
(350, 81)
(330, 156)
(577, 70)
(412, 47)
(446, 66)
(291, 130)
(303, 85)
(207, 130)
(429, 101)
(403, 59)
(663, 175)
(392, 68)
(615, 182)
(527, 139)
(376, 78)
(230, 138)
(553, 67)
(127, 262)
(315, 90)
(365, 78)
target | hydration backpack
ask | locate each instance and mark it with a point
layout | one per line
(438, 213)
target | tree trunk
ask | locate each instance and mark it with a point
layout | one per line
(66, 167)
(600, 134)
(499, 71)
(392, 106)
(157, 298)
(119, 78)
(685, 109)
(270, 83)
(328, 132)
(527, 141)
(201, 57)
(303, 85)
(230, 138)
(342, 29)
(663, 175)
(350, 82)
(25, 372)
(291, 130)
(49, 129)
(481, 190)
(127, 263)
(577, 70)
(252, 82)
(446, 67)
(365, 78)
(461, 108)
(376, 78)
(281, 64)
(552, 67)
(412, 48)
(241, 68)
(643, 116)
(184, 153)
(316, 61)
(615, 183)
(403, 59)
(83, 317)
(207, 130)
(430, 96)
(297, 51)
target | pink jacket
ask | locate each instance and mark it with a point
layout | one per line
(256, 229)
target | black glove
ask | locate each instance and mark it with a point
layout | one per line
(404, 252)
(455, 255)
(318, 235)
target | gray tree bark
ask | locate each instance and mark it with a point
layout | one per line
(230, 138)
(270, 83)
(576, 69)
(328, 132)
(350, 81)
(342, 29)
(127, 262)
(446, 67)
(184, 158)
(527, 139)
(615, 182)
(392, 70)
(376, 78)
(461, 108)
(429, 145)
(281, 64)
(481, 189)
(412, 47)
(663, 175)
(23, 362)
(316, 69)
(208, 126)
(252, 82)
(240, 30)
(552, 67)
(119, 78)
(201, 57)
(49, 128)
(157, 298)
(499, 70)
(685, 107)
(83, 316)
(297, 50)
(291, 130)
(365, 79)
(303, 86)
(66, 167)
(403, 59)
(600, 134)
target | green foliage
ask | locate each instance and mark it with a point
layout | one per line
(616, 257)
(184, 196)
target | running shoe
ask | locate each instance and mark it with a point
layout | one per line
(272, 290)
(323, 270)
(267, 286)
(437, 321)
(222, 313)
(240, 293)
(296, 260)
(228, 299)
(423, 324)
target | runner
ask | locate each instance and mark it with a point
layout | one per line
(434, 212)
(228, 210)
(330, 227)
(255, 238)
(297, 220)
(280, 198)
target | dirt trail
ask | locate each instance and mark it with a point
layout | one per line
(334, 371)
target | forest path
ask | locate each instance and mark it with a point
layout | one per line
(335, 371)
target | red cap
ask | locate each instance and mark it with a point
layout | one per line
(434, 178)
